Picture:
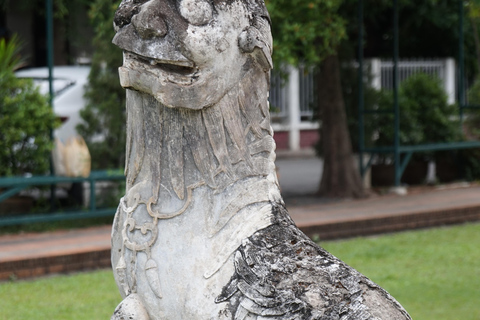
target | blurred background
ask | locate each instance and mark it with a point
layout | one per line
(435, 60)
(375, 106)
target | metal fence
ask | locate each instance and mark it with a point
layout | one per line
(434, 68)
(382, 78)
(279, 94)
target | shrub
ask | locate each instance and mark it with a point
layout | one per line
(472, 121)
(104, 115)
(25, 118)
(471, 157)
(425, 115)
(371, 98)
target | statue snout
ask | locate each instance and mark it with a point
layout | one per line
(149, 22)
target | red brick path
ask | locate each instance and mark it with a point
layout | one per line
(30, 255)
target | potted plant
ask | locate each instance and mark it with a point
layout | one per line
(425, 118)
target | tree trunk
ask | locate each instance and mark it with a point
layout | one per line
(340, 178)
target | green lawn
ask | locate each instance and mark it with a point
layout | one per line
(82, 296)
(434, 273)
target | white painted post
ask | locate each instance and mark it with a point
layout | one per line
(376, 69)
(449, 81)
(294, 108)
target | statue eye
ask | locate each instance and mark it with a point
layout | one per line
(197, 12)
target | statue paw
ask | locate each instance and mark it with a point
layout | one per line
(131, 308)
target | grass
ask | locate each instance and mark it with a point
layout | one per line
(434, 274)
(82, 296)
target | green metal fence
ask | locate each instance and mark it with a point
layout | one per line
(13, 185)
(403, 153)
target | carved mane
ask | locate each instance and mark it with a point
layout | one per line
(227, 147)
(228, 141)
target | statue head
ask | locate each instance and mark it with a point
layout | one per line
(190, 53)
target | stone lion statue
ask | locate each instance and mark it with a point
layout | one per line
(202, 231)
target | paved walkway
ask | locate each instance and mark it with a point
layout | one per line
(435, 199)
(86, 248)
(39, 245)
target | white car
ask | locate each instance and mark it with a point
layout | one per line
(68, 87)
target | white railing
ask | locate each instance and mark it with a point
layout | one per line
(278, 97)
(291, 103)
(279, 94)
(443, 69)
(292, 100)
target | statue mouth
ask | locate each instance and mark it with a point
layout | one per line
(179, 72)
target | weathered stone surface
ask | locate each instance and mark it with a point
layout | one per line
(130, 308)
(202, 232)
(281, 274)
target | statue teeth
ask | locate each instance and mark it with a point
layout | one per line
(153, 62)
